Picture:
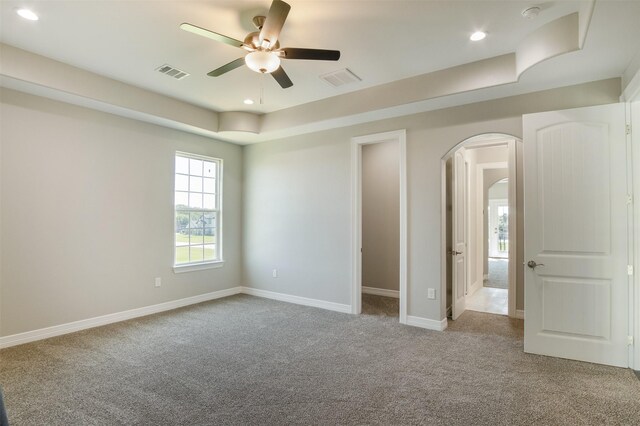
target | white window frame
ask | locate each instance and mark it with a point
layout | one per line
(204, 264)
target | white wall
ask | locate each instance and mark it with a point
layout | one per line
(499, 191)
(87, 214)
(298, 195)
(381, 215)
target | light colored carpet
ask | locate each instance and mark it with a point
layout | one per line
(245, 360)
(380, 305)
(498, 274)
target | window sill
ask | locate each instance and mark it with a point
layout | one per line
(178, 269)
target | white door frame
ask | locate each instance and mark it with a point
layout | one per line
(511, 164)
(631, 97)
(633, 140)
(400, 137)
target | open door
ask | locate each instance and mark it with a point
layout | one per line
(459, 251)
(576, 282)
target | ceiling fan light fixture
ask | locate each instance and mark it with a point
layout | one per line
(262, 62)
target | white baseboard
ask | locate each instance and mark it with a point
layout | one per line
(57, 330)
(429, 324)
(381, 292)
(520, 313)
(298, 300)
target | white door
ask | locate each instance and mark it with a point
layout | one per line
(576, 299)
(459, 233)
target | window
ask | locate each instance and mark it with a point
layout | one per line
(197, 209)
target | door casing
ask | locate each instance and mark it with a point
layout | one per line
(400, 137)
(511, 164)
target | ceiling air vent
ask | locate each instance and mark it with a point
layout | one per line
(340, 78)
(172, 72)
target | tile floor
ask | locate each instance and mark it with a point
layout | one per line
(491, 300)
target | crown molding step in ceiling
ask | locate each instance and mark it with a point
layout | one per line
(529, 65)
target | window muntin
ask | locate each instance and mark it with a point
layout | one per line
(197, 209)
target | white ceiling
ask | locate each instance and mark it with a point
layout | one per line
(381, 41)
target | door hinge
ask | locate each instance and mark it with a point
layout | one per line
(629, 199)
(629, 269)
(627, 129)
(629, 340)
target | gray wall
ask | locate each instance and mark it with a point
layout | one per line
(381, 215)
(87, 214)
(297, 212)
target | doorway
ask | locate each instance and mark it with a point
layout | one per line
(498, 213)
(479, 220)
(493, 296)
(379, 234)
(380, 229)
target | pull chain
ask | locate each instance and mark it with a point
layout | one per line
(261, 89)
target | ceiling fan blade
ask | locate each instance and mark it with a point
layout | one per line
(313, 54)
(282, 78)
(210, 34)
(273, 24)
(226, 68)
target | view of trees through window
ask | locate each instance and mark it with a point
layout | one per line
(503, 228)
(197, 203)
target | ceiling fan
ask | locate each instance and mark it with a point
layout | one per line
(263, 46)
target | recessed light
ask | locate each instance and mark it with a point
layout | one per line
(27, 14)
(248, 101)
(531, 13)
(477, 36)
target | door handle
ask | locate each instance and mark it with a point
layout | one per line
(532, 264)
(453, 252)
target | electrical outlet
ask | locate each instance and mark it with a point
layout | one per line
(274, 273)
(431, 293)
(158, 281)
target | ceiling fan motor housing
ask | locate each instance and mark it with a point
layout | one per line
(253, 40)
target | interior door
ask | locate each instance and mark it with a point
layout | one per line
(459, 234)
(576, 298)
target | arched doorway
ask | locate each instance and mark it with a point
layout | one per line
(468, 171)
